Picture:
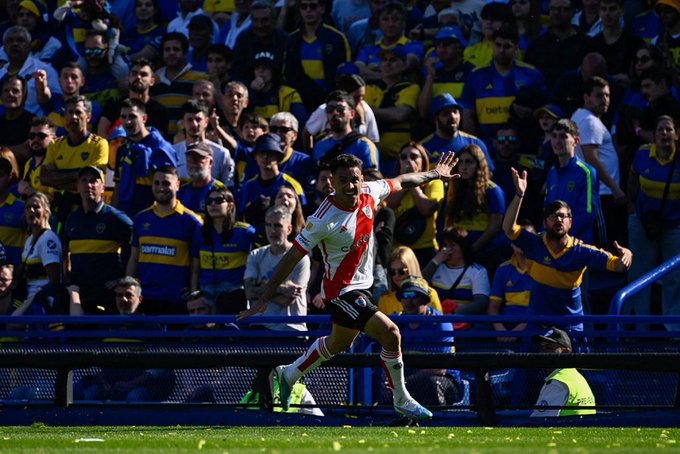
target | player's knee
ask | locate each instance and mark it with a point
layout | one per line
(392, 338)
(338, 345)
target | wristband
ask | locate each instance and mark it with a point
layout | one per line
(517, 194)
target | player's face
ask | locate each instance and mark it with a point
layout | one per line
(218, 205)
(397, 271)
(90, 187)
(610, 13)
(504, 51)
(173, 54)
(144, 10)
(546, 122)
(311, 11)
(35, 213)
(251, 131)
(127, 300)
(392, 66)
(165, 187)
(413, 303)
(198, 166)
(557, 224)
(391, 24)
(339, 114)
(12, 94)
(70, 81)
(266, 160)
(455, 257)
(264, 72)
(27, 19)
(506, 143)
(277, 230)
(235, 99)
(347, 183)
(643, 60)
(217, 65)
(598, 100)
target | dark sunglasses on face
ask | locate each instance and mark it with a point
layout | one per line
(400, 272)
(281, 129)
(406, 295)
(305, 6)
(407, 156)
(39, 135)
(216, 200)
(643, 59)
(96, 51)
(335, 108)
(503, 139)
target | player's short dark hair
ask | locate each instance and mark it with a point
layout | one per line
(322, 166)
(341, 96)
(345, 161)
(195, 106)
(566, 125)
(255, 119)
(350, 82)
(7, 78)
(133, 102)
(592, 83)
(176, 36)
(554, 206)
(71, 65)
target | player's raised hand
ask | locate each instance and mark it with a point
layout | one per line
(446, 164)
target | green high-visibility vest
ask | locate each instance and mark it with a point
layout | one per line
(580, 393)
(253, 397)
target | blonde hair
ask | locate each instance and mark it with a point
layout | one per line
(406, 255)
(44, 203)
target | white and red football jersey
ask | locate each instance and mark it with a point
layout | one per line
(345, 238)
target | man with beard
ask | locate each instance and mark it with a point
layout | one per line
(71, 80)
(447, 113)
(94, 236)
(195, 121)
(199, 159)
(140, 79)
(14, 121)
(340, 109)
(234, 102)
(557, 261)
(42, 132)
(162, 240)
(101, 77)
(143, 151)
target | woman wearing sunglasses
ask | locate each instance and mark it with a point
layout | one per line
(224, 246)
(402, 263)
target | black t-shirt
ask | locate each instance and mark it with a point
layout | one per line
(15, 132)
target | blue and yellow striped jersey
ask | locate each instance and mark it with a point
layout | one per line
(512, 287)
(653, 174)
(12, 230)
(225, 262)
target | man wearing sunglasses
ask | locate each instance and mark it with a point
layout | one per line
(556, 260)
(343, 228)
(101, 83)
(42, 133)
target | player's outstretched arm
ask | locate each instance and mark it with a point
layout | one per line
(443, 170)
(625, 258)
(281, 272)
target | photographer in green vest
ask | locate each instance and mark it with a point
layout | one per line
(562, 387)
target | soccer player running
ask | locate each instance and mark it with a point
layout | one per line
(342, 226)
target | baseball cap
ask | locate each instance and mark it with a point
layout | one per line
(91, 170)
(555, 336)
(347, 68)
(200, 148)
(398, 51)
(412, 284)
(450, 32)
(200, 20)
(443, 100)
(37, 7)
(551, 109)
(264, 57)
(675, 4)
(497, 11)
(269, 142)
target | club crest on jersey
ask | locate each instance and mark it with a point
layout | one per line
(367, 211)
(309, 226)
(360, 301)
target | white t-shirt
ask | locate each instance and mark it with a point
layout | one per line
(318, 122)
(345, 238)
(47, 250)
(222, 168)
(260, 265)
(553, 394)
(593, 132)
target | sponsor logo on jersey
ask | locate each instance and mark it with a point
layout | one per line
(159, 249)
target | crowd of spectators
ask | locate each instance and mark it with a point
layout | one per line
(184, 143)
